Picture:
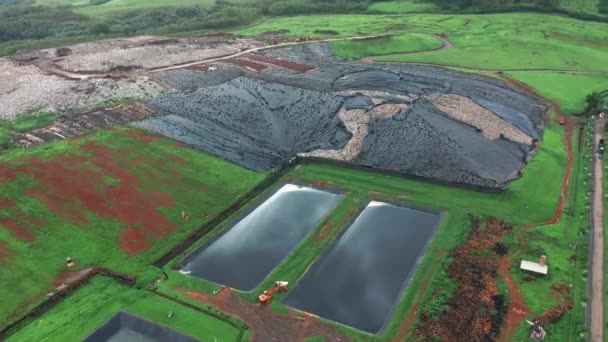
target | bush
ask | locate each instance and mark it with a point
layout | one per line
(62, 52)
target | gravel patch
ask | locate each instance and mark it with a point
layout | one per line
(492, 126)
(26, 88)
(151, 55)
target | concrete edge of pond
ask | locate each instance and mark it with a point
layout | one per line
(245, 210)
(123, 319)
(402, 291)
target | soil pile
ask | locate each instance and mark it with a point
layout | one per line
(476, 310)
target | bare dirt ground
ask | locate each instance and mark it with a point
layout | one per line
(596, 314)
(266, 325)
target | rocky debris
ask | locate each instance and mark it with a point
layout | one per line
(387, 111)
(150, 54)
(491, 126)
(356, 121)
(26, 88)
(67, 127)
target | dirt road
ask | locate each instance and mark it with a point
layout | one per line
(596, 314)
(52, 68)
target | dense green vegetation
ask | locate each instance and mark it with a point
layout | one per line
(157, 177)
(405, 43)
(90, 306)
(40, 23)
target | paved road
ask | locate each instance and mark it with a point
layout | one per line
(597, 258)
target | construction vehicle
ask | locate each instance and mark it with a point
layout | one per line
(266, 296)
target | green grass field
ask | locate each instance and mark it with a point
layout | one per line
(492, 41)
(355, 49)
(89, 307)
(110, 199)
(404, 6)
(569, 91)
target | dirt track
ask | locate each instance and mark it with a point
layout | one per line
(596, 314)
(54, 69)
(266, 325)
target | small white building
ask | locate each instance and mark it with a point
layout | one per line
(535, 267)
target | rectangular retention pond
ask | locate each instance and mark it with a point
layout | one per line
(243, 256)
(124, 327)
(358, 280)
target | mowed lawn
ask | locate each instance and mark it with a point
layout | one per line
(80, 314)
(492, 41)
(405, 43)
(111, 199)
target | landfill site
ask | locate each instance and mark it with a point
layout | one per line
(261, 103)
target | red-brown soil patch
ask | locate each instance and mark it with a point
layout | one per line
(319, 184)
(265, 324)
(144, 137)
(16, 221)
(68, 277)
(325, 231)
(248, 64)
(517, 309)
(282, 63)
(5, 253)
(71, 184)
(177, 160)
(471, 315)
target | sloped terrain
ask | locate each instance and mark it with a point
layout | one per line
(421, 121)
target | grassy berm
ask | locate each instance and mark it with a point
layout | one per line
(111, 199)
(90, 306)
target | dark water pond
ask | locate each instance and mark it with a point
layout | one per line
(125, 327)
(358, 280)
(245, 255)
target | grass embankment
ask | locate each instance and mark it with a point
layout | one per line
(569, 91)
(355, 49)
(493, 41)
(77, 316)
(112, 199)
